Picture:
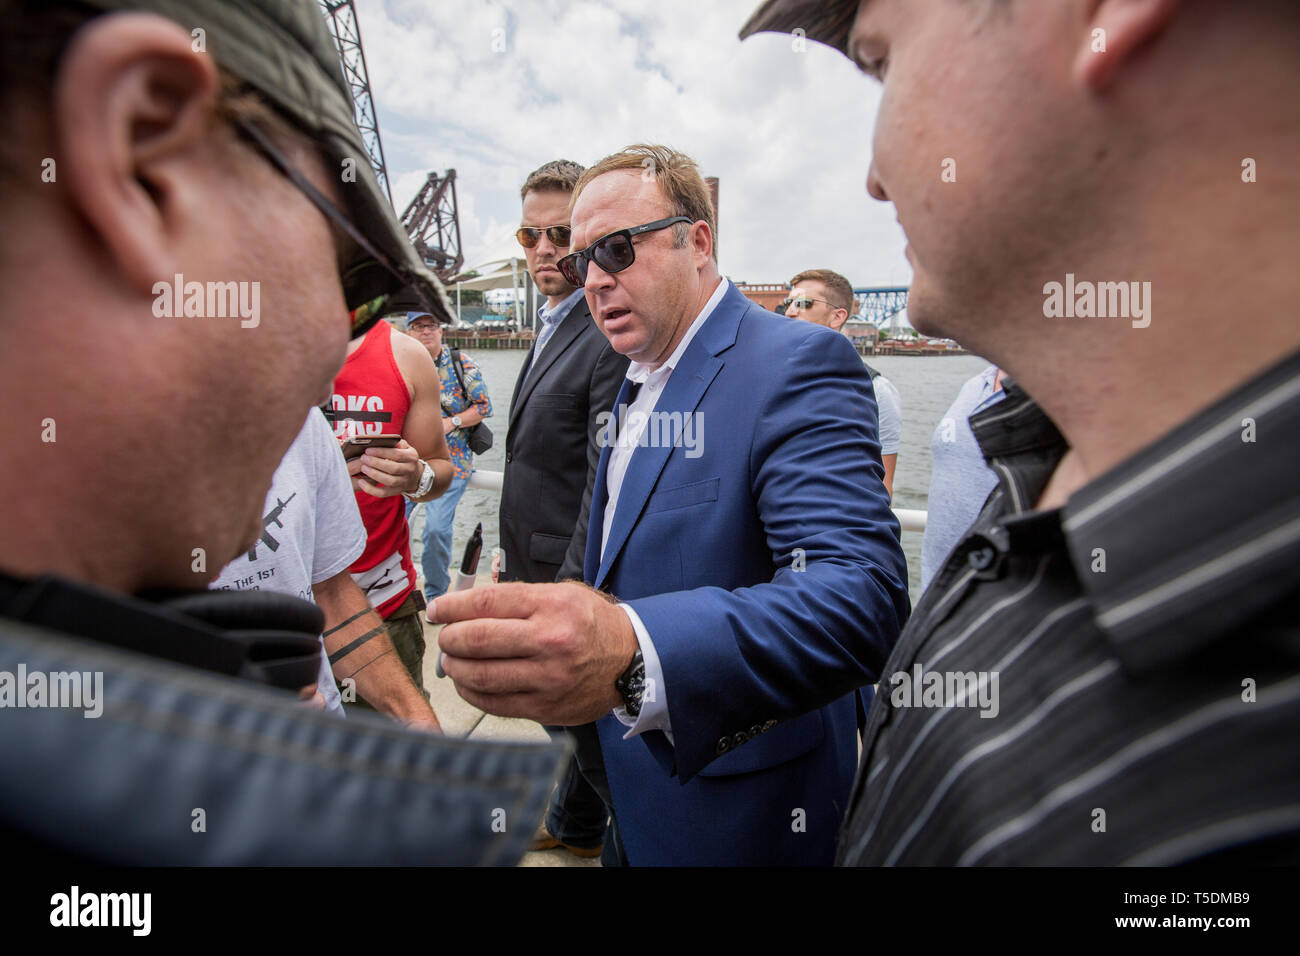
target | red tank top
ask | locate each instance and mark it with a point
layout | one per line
(370, 398)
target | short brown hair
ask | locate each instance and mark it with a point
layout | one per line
(838, 291)
(678, 177)
(559, 175)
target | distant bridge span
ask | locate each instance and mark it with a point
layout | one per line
(881, 305)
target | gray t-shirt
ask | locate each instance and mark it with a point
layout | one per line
(889, 405)
(312, 529)
(960, 480)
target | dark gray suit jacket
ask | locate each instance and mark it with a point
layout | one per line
(552, 449)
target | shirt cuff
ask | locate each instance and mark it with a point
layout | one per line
(654, 705)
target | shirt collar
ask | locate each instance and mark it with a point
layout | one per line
(555, 316)
(1021, 445)
(1182, 544)
(639, 372)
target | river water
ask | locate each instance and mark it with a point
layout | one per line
(927, 386)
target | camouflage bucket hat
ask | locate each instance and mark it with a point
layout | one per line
(820, 20)
(283, 50)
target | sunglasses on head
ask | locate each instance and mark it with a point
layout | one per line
(559, 235)
(613, 252)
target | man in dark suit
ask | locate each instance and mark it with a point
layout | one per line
(568, 379)
(756, 563)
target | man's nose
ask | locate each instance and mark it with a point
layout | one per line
(875, 188)
(597, 278)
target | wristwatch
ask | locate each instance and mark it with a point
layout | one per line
(456, 422)
(427, 479)
(631, 685)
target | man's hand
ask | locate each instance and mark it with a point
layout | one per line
(429, 725)
(549, 652)
(384, 472)
(311, 698)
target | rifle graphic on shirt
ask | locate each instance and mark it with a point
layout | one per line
(272, 517)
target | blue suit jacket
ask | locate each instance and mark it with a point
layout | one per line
(760, 660)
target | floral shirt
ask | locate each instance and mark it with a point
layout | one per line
(454, 402)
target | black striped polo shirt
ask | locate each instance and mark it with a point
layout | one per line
(1112, 682)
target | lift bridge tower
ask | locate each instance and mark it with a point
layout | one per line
(430, 219)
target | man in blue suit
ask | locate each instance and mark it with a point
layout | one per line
(759, 577)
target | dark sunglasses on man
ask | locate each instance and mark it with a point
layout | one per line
(560, 236)
(613, 252)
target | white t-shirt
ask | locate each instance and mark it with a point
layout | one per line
(312, 529)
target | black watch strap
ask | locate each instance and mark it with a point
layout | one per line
(631, 685)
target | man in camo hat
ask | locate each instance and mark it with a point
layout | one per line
(192, 236)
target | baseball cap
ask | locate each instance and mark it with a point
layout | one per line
(412, 316)
(283, 50)
(826, 21)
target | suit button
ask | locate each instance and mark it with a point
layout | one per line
(509, 457)
(755, 731)
(769, 725)
(981, 558)
(738, 739)
(723, 746)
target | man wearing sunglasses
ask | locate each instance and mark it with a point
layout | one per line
(826, 297)
(568, 379)
(761, 580)
(142, 439)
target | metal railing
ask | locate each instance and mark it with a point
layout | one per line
(910, 518)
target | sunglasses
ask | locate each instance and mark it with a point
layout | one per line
(613, 252)
(804, 302)
(559, 236)
(363, 281)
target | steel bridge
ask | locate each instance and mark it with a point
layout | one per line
(881, 305)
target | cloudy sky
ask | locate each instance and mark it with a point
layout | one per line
(494, 88)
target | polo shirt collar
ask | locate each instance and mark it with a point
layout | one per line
(1183, 543)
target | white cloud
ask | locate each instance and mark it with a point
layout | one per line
(788, 133)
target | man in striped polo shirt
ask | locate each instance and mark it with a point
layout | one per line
(1106, 669)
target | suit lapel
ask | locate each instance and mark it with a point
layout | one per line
(574, 324)
(683, 393)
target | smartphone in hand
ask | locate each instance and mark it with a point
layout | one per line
(357, 444)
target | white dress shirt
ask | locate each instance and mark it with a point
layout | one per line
(635, 418)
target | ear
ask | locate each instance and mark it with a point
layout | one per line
(838, 318)
(133, 111)
(700, 240)
(1123, 27)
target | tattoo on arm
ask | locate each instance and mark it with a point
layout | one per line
(372, 660)
(343, 624)
(344, 651)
